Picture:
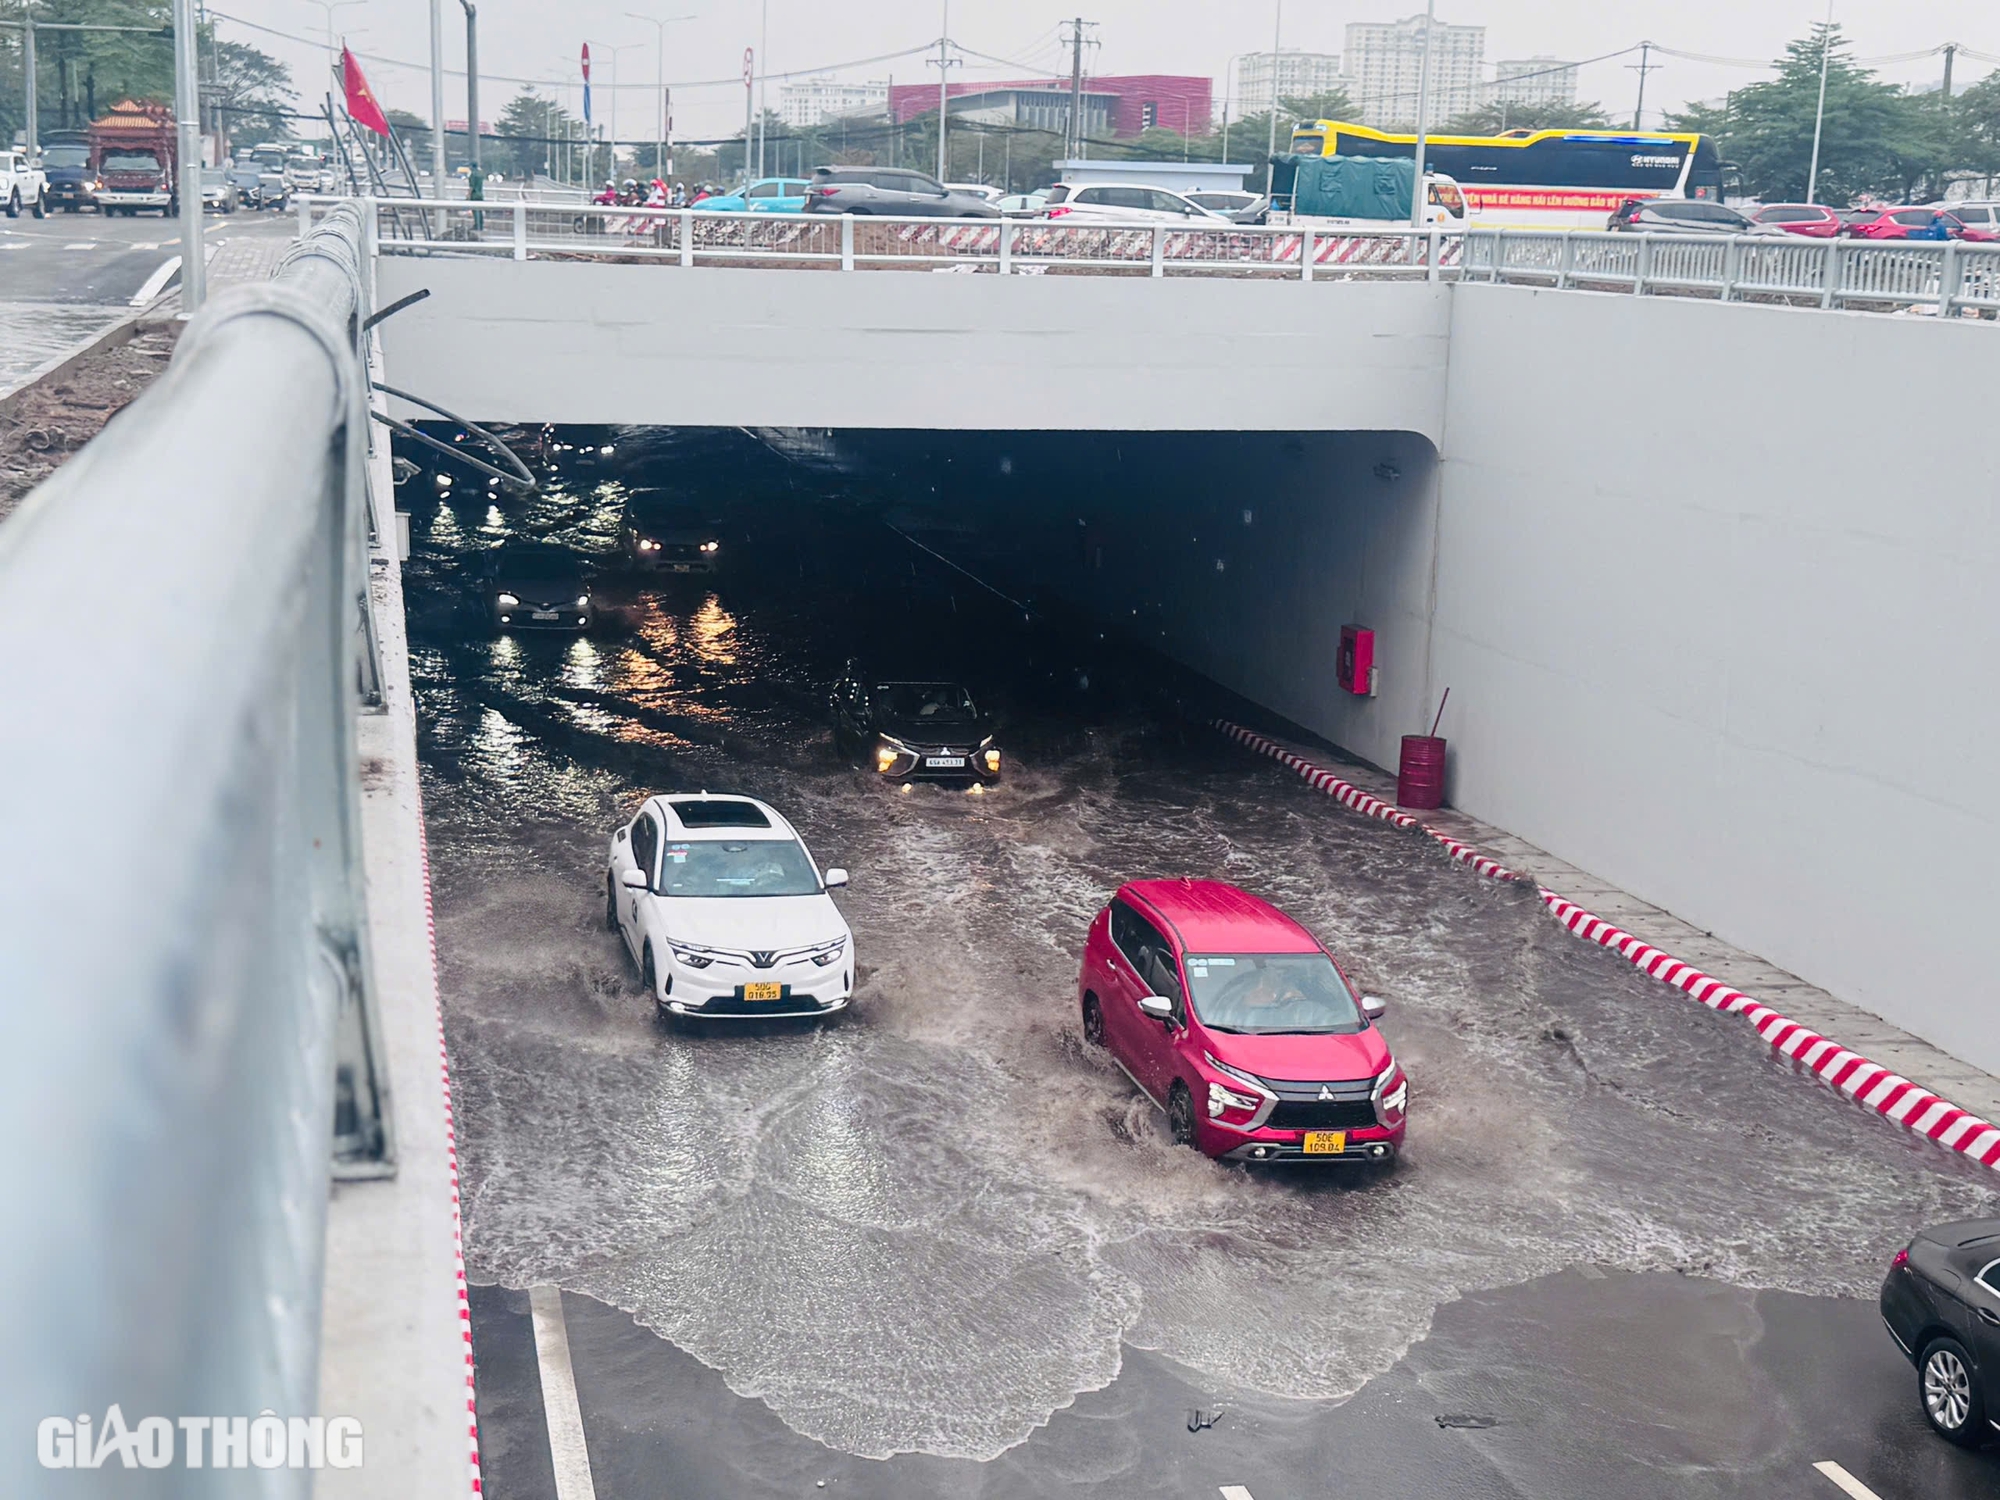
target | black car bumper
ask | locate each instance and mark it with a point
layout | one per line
(527, 617)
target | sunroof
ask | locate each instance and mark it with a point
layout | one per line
(720, 814)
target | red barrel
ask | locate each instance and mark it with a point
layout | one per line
(1420, 774)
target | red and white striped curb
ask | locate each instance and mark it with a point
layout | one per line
(451, 1162)
(1868, 1084)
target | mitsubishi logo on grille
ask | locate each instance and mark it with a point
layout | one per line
(763, 959)
(1325, 1092)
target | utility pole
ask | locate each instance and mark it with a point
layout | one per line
(1950, 52)
(28, 122)
(1642, 67)
(1073, 147)
(944, 94)
(749, 101)
(1271, 147)
(1417, 194)
(438, 171)
(472, 84)
(1819, 113)
(187, 119)
(763, 89)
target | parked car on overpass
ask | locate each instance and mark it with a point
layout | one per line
(1122, 203)
(1887, 223)
(891, 191)
(1813, 220)
(1233, 1019)
(980, 190)
(1237, 207)
(767, 195)
(1022, 205)
(1941, 1302)
(1685, 216)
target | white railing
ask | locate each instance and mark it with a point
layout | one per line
(1951, 279)
(693, 236)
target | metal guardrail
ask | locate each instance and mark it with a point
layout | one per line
(182, 928)
(1950, 278)
(693, 236)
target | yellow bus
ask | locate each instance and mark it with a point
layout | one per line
(1542, 179)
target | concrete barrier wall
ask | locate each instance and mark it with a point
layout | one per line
(1713, 633)
(540, 341)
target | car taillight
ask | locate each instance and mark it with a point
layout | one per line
(1058, 211)
(824, 192)
(1902, 1259)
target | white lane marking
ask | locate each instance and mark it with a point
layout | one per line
(82, 245)
(15, 245)
(147, 245)
(559, 1405)
(1854, 1487)
(162, 274)
(1236, 1492)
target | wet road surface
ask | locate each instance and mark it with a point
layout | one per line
(941, 1238)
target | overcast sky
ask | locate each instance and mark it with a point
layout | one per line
(539, 40)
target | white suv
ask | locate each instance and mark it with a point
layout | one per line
(725, 911)
(1115, 204)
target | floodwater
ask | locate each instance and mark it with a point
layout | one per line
(926, 1226)
(38, 332)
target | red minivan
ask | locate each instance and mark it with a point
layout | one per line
(1233, 1019)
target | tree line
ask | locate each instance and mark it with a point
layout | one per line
(79, 75)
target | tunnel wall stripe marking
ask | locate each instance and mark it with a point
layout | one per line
(1868, 1084)
(451, 1161)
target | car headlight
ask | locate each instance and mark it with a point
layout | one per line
(583, 601)
(508, 601)
(711, 546)
(1220, 1099)
(647, 544)
(889, 751)
(832, 953)
(694, 958)
(991, 755)
(1390, 1103)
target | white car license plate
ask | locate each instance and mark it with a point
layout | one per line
(546, 614)
(944, 762)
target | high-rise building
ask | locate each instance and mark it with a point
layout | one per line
(1534, 80)
(1300, 75)
(812, 101)
(1385, 64)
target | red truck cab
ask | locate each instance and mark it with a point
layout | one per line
(133, 158)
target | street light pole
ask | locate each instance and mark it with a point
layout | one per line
(1271, 147)
(1423, 118)
(28, 69)
(763, 84)
(660, 83)
(1819, 111)
(944, 93)
(437, 100)
(187, 119)
(472, 84)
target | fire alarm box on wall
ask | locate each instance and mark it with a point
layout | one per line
(1355, 668)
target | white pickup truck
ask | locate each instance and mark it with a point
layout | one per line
(22, 185)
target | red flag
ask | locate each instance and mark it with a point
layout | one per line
(361, 103)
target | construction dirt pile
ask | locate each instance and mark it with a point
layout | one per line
(43, 424)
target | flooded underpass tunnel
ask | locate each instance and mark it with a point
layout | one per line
(939, 1240)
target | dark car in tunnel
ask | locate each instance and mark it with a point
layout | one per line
(1233, 1019)
(1941, 1302)
(538, 586)
(913, 730)
(666, 533)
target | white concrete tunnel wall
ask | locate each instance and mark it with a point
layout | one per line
(1710, 637)
(1706, 635)
(530, 341)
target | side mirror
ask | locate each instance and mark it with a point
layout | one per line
(1159, 1007)
(835, 878)
(1373, 1007)
(633, 880)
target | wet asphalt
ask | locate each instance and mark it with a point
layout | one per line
(938, 1243)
